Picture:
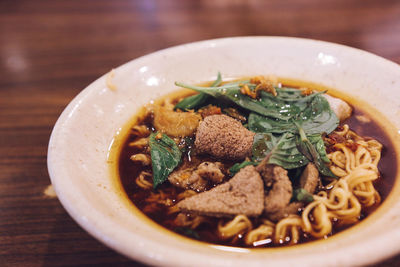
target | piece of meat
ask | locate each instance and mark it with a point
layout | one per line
(291, 208)
(211, 171)
(188, 179)
(309, 179)
(340, 107)
(224, 138)
(209, 110)
(279, 187)
(197, 178)
(243, 194)
(176, 124)
(280, 191)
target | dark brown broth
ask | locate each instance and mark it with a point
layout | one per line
(128, 171)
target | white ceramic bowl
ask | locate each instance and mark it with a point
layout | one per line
(83, 172)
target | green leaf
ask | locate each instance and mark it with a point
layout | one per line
(262, 124)
(237, 166)
(302, 195)
(273, 114)
(192, 102)
(318, 117)
(165, 156)
(282, 148)
(305, 146)
(218, 81)
(318, 142)
(315, 117)
(196, 101)
(231, 92)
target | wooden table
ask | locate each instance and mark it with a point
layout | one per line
(51, 50)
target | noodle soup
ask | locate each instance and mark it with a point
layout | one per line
(303, 175)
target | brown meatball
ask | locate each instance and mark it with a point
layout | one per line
(224, 138)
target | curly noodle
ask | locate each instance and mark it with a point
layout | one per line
(355, 162)
(239, 225)
(142, 180)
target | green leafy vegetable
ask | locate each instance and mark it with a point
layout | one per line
(196, 101)
(302, 195)
(284, 150)
(305, 146)
(315, 117)
(237, 166)
(165, 156)
(192, 102)
(318, 143)
(231, 92)
(272, 113)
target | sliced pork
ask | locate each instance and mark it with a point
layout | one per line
(188, 179)
(243, 194)
(197, 178)
(279, 187)
(211, 171)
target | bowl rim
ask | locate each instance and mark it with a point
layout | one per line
(93, 228)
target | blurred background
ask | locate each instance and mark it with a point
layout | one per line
(51, 49)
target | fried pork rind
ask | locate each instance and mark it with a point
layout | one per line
(176, 124)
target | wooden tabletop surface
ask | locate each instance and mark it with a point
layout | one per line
(51, 50)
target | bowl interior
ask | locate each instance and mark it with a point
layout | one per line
(81, 166)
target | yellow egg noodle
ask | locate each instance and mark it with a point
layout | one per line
(343, 201)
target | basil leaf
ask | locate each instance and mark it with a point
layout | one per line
(310, 152)
(273, 113)
(285, 151)
(302, 195)
(282, 148)
(262, 124)
(318, 142)
(165, 156)
(192, 102)
(316, 117)
(231, 92)
(288, 94)
(237, 166)
(196, 101)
